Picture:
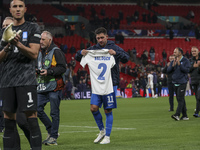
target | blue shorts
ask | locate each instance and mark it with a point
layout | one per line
(108, 101)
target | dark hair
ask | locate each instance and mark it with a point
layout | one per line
(180, 50)
(101, 30)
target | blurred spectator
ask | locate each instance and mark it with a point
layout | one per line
(171, 34)
(144, 59)
(152, 53)
(146, 53)
(121, 38)
(190, 15)
(160, 80)
(122, 85)
(187, 39)
(75, 79)
(82, 45)
(102, 12)
(134, 52)
(73, 62)
(149, 18)
(187, 54)
(144, 17)
(136, 16)
(63, 47)
(72, 50)
(67, 90)
(121, 15)
(117, 38)
(83, 73)
(129, 85)
(66, 74)
(154, 18)
(88, 44)
(137, 82)
(135, 92)
(72, 29)
(164, 55)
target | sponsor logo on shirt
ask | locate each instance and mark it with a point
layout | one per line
(101, 58)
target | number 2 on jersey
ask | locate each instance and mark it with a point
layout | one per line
(101, 76)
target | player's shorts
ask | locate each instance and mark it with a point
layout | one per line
(108, 101)
(149, 86)
(23, 97)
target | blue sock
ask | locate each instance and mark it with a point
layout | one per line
(109, 122)
(98, 118)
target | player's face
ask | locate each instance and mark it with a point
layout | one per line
(6, 23)
(194, 51)
(176, 52)
(17, 9)
(102, 39)
(45, 41)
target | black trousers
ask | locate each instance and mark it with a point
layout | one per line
(171, 95)
(194, 88)
(180, 96)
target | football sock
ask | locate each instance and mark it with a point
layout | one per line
(152, 91)
(35, 134)
(98, 118)
(109, 123)
(11, 138)
(147, 92)
(23, 124)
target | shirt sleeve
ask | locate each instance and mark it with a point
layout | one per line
(36, 34)
(83, 61)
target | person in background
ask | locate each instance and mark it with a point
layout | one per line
(170, 85)
(52, 65)
(180, 67)
(195, 76)
(122, 85)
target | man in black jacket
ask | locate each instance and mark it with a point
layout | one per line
(180, 68)
(195, 76)
(170, 84)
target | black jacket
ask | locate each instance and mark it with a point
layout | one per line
(179, 73)
(169, 75)
(194, 74)
(121, 56)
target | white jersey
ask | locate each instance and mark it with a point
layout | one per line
(150, 79)
(100, 63)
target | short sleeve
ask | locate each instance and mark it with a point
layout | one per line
(36, 34)
(83, 61)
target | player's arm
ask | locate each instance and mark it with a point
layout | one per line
(4, 52)
(121, 54)
(30, 52)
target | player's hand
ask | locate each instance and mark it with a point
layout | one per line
(111, 52)
(174, 63)
(195, 64)
(43, 72)
(84, 52)
(15, 40)
(168, 64)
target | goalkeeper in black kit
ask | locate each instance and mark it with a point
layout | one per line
(18, 80)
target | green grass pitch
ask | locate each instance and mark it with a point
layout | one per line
(139, 124)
